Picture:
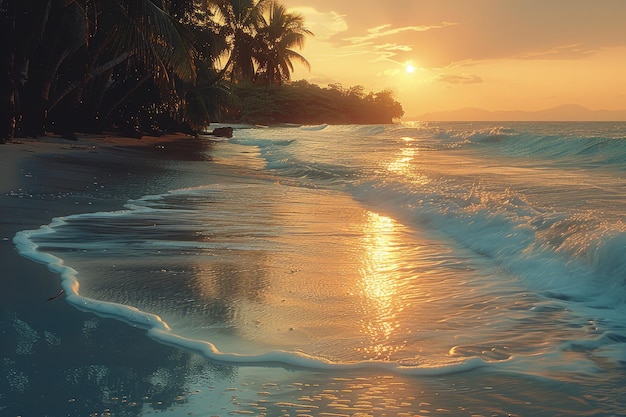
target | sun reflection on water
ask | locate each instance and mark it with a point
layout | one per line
(405, 164)
(379, 287)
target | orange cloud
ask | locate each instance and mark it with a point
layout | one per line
(324, 25)
(384, 31)
(459, 78)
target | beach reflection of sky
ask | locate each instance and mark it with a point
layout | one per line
(378, 270)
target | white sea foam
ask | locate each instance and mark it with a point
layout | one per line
(27, 248)
(303, 361)
(503, 261)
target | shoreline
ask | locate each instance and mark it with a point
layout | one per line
(45, 340)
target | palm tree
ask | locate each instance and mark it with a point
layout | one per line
(279, 34)
(203, 99)
(90, 61)
(138, 35)
(190, 102)
(69, 56)
(239, 20)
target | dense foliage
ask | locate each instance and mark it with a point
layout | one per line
(140, 65)
(147, 66)
(303, 103)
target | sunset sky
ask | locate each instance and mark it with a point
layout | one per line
(490, 54)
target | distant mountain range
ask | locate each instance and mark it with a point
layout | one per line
(564, 113)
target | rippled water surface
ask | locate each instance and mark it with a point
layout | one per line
(452, 268)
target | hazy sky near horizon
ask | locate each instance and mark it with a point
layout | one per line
(490, 54)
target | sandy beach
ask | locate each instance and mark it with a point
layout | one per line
(54, 359)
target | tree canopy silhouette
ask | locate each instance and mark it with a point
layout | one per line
(301, 102)
(149, 66)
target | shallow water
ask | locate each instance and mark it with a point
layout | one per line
(461, 269)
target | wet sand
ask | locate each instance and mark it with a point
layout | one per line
(54, 359)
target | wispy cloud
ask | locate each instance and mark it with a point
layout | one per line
(387, 30)
(575, 51)
(459, 79)
(393, 47)
(324, 25)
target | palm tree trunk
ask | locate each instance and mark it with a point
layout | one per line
(45, 91)
(7, 70)
(131, 91)
(89, 76)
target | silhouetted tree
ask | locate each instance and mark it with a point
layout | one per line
(279, 34)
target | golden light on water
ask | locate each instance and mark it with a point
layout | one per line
(402, 164)
(405, 165)
(379, 286)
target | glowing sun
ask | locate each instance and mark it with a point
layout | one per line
(409, 68)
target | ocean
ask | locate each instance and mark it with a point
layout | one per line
(462, 269)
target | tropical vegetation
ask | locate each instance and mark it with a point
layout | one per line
(148, 66)
(301, 102)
